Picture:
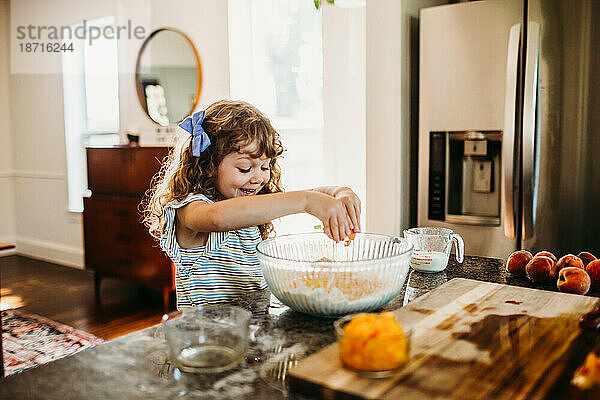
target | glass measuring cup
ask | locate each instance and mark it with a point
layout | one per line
(432, 248)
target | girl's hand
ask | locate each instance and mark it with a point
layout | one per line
(332, 213)
(352, 204)
(349, 199)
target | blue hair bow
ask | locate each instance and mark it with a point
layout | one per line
(193, 125)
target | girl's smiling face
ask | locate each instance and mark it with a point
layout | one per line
(240, 174)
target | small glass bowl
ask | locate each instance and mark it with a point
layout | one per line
(373, 357)
(210, 338)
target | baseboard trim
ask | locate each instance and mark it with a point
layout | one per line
(11, 252)
(57, 253)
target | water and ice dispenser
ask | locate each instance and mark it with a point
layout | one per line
(464, 177)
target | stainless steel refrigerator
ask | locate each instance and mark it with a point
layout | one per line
(509, 124)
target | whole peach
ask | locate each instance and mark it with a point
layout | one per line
(569, 260)
(593, 270)
(573, 280)
(547, 254)
(517, 261)
(586, 257)
(541, 269)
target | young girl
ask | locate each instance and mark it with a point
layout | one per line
(216, 195)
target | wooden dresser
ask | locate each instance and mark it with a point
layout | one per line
(117, 244)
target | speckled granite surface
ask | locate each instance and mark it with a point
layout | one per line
(136, 366)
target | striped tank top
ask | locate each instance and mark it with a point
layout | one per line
(225, 268)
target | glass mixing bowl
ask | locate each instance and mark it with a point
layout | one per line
(310, 273)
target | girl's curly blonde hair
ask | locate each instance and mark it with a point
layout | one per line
(230, 125)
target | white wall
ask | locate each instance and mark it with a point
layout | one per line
(384, 185)
(40, 222)
(390, 94)
(7, 204)
(344, 97)
(205, 22)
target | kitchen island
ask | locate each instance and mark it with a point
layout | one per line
(137, 366)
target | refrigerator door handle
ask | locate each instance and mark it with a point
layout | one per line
(508, 137)
(530, 173)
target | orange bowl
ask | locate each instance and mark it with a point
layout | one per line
(372, 344)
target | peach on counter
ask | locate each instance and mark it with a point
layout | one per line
(541, 269)
(586, 257)
(573, 280)
(546, 254)
(593, 270)
(517, 261)
(569, 260)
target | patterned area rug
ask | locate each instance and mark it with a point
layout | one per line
(29, 340)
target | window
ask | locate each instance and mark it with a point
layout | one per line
(91, 104)
(101, 83)
(305, 69)
(276, 60)
(276, 64)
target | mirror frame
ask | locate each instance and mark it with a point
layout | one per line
(138, 81)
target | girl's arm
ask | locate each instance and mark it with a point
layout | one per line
(242, 212)
(350, 200)
(332, 190)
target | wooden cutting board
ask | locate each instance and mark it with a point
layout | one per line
(472, 340)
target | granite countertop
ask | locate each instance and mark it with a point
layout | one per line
(137, 366)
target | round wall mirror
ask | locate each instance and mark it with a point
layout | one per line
(168, 76)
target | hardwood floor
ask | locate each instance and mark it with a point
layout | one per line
(66, 295)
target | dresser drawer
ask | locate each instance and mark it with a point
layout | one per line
(117, 210)
(146, 162)
(123, 170)
(117, 231)
(112, 239)
(118, 244)
(133, 266)
(108, 170)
